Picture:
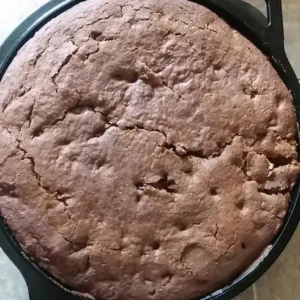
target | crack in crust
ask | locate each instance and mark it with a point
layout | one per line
(63, 64)
(57, 194)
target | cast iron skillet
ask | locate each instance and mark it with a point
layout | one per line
(267, 35)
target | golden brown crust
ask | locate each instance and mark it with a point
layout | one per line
(147, 149)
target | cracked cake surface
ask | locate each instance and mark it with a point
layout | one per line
(147, 149)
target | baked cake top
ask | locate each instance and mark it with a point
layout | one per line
(147, 149)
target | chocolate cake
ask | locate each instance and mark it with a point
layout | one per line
(147, 150)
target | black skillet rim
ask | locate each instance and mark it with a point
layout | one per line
(254, 26)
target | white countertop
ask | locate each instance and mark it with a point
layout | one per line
(12, 284)
(12, 12)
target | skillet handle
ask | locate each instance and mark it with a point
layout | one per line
(41, 288)
(268, 31)
(275, 26)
